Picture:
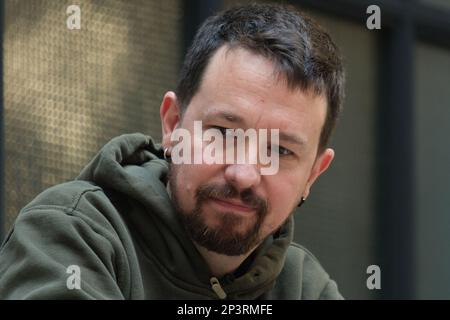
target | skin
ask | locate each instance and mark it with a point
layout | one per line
(244, 85)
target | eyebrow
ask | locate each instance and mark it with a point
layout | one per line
(292, 139)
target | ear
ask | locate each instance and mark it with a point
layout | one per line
(170, 116)
(321, 164)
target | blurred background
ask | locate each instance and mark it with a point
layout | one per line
(385, 200)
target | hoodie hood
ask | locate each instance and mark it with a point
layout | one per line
(132, 171)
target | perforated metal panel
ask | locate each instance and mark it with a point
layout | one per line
(67, 92)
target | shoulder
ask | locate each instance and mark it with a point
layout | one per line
(69, 224)
(65, 196)
(80, 204)
(82, 198)
(77, 214)
(303, 277)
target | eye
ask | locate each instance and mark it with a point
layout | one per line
(281, 150)
(222, 130)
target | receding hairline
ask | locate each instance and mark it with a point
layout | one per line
(279, 77)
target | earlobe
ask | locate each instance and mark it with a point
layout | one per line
(170, 116)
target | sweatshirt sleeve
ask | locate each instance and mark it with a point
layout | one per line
(51, 254)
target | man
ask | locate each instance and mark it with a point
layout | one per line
(139, 224)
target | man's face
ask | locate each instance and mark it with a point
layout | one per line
(231, 208)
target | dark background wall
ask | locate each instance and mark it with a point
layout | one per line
(385, 199)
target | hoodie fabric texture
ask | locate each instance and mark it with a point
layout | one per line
(116, 225)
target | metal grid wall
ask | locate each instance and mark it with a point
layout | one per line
(67, 92)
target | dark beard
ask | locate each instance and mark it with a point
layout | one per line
(223, 238)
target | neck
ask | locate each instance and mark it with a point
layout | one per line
(221, 264)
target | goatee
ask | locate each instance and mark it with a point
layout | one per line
(224, 237)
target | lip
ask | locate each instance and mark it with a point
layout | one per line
(233, 205)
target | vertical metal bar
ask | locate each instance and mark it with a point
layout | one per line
(396, 159)
(2, 129)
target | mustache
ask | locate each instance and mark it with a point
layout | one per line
(227, 191)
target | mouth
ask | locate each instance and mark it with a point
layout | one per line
(233, 205)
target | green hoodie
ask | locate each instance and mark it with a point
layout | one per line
(117, 224)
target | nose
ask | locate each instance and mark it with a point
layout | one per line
(242, 176)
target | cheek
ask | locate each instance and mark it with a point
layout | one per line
(183, 179)
(284, 195)
(286, 187)
(282, 201)
(191, 176)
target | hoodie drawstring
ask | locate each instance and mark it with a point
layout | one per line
(217, 288)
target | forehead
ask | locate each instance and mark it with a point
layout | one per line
(240, 70)
(241, 82)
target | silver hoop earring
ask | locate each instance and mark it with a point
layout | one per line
(166, 154)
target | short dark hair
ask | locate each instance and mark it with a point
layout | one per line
(303, 53)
